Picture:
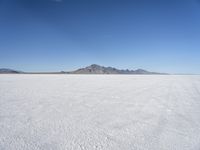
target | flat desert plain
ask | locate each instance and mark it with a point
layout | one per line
(99, 112)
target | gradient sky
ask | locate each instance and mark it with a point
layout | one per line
(54, 35)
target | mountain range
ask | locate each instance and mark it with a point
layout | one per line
(92, 69)
(97, 69)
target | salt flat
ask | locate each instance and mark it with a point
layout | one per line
(99, 112)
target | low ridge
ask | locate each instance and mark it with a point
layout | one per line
(6, 70)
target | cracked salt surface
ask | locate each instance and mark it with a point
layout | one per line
(99, 112)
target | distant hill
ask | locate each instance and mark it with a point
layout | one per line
(97, 69)
(5, 70)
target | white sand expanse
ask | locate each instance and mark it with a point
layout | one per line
(99, 112)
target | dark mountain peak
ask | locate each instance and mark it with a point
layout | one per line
(92, 69)
(94, 65)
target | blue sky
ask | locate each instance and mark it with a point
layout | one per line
(54, 35)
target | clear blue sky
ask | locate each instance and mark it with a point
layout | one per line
(54, 35)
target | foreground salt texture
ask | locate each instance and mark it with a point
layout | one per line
(99, 112)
